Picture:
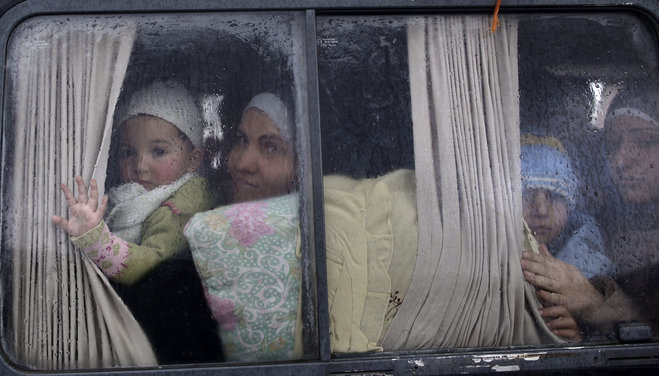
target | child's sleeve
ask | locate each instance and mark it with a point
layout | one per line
(108, 251)
(162, 236)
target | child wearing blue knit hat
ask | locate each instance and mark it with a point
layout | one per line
(549, 207)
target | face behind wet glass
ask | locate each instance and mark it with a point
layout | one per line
(632, 147)
(152, 152)
(545, 212)
(261, 162)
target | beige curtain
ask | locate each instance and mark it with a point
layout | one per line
(467, 288)
(65, 81)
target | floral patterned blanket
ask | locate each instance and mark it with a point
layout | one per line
(247, 256)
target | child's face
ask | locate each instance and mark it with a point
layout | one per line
(153, 153)
(545, 212)
(261, 163)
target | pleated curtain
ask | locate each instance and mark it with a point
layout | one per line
(65, 79)
(467, 289)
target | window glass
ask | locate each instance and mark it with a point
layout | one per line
(185, 268)
(610, 69)
(366, 122)
(483, 187)
(477, 149)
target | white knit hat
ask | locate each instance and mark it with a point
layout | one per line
(636, 102)
(171, 102)
(276, 110)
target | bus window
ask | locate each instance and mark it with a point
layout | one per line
(317, 187)
(478, 149)
(154, 106)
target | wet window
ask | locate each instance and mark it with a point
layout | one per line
(159, 106)
(478, 149)
(482, 186)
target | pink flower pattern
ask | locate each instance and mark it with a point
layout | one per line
(109, 253)
(223, 311)
(248, 222)
(253, 298)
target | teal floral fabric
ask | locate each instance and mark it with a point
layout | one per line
(246, 257)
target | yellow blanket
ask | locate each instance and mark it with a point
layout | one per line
(371, 235)
(372, 242)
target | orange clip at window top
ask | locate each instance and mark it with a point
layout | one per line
(495, 21)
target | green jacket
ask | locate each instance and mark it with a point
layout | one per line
(162, 236)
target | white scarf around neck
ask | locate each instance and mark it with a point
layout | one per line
(131, 204)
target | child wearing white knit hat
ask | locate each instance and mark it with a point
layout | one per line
(159, 136)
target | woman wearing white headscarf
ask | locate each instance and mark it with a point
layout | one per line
(247, 253)
(632, 143)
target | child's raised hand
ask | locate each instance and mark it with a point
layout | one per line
(85, 211)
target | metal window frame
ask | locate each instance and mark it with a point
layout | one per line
(643, 358)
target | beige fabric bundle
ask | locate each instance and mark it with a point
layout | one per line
(371, 236)
(370, 228)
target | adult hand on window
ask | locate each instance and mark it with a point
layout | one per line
(560, 283)
(561, 322)
(85, 211)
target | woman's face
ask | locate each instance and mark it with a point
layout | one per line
(632, 146)
(261, 163)
(545, 212)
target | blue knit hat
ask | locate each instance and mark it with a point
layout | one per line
(545, 165)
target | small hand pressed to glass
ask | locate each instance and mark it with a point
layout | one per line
(86, 212)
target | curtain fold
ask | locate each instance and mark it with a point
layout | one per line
(64, 85)
(467, 289)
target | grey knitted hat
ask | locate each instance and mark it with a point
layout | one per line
(171, 102)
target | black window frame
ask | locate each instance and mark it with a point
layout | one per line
(610, 359)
